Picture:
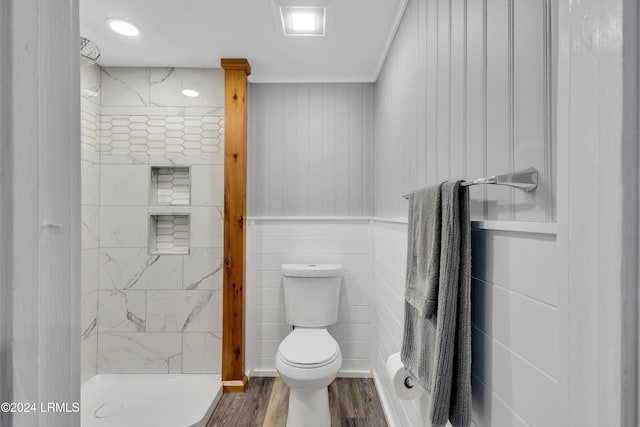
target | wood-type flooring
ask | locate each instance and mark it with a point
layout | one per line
(353, 402)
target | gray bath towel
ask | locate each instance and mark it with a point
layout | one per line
(436, 345)
(423, 261)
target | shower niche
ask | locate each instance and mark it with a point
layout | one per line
(170, 186)
(169, 215)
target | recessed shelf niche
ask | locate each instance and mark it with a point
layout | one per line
(170, 186)
(169, 234)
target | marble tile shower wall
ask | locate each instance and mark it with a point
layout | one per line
(159, 313)
(90, 201)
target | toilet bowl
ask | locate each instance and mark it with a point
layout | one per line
(309, 358)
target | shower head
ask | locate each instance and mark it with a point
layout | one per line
(89, 50)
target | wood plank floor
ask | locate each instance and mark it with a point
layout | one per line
(353, 402)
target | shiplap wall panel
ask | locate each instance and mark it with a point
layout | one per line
(490, 70)
(476, 134)
(310, 149)
(529, 99)
(431, 52)
(347, 242)
(329, 147)
(526, 265)
(499, 95)
(443, 91)
(516, 340)
(457, 149)
(507, 316)
(467, 95)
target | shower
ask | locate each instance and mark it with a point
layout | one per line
(89, 51)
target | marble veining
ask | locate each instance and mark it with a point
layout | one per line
(197, 283)
(133, 268)
(201, 352)
(195, 311)
(155, 313)
(140, 353)
(125, 86)
(123, 226)
(203, 269)
(90, 226)
(90, 329)
(150, 261)
(122, 311)
(181, 310)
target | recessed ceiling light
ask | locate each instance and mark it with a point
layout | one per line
(302, 21)
(190, 93)
(123, 27)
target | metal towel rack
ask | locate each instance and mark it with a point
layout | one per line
(526, 180)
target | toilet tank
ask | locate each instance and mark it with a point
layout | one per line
(311, 294)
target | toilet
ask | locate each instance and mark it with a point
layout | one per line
(309, 358)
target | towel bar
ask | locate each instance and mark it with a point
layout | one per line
(526, 180)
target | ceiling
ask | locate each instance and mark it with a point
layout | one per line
(197, 33)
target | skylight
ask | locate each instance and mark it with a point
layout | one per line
(302, 21)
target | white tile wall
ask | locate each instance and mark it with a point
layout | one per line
(124, 185)
(160, 87)
(90, 201)
(140, 353)
(122, 311)
(158, 313)
(202, 269)
(134, 268)
(184, 311)
(201, 352)
(123, 226)
(302, 241)
(90, 226)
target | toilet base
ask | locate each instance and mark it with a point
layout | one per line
(309, 408)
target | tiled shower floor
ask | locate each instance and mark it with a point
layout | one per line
(134, 400)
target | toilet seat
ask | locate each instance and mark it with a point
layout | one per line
(308, 348)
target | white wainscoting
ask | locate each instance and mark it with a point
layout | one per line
(272, 242)
(517, 325)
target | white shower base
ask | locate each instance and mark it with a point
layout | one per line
(134, 400)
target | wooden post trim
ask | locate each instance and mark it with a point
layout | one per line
(235, 168)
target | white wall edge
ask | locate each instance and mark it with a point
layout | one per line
(390, 220)
(522, 227)
(389, 41)
(384, 400)
(515, 226)
(309, 218)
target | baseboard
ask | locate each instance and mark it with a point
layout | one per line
(384, 400)
(341, 374)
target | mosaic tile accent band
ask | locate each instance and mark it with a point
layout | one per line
(161, 135)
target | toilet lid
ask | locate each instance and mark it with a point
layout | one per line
(308, 348)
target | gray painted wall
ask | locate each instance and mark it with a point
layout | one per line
(309, 149)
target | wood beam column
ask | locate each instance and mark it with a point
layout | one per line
(235, 169)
